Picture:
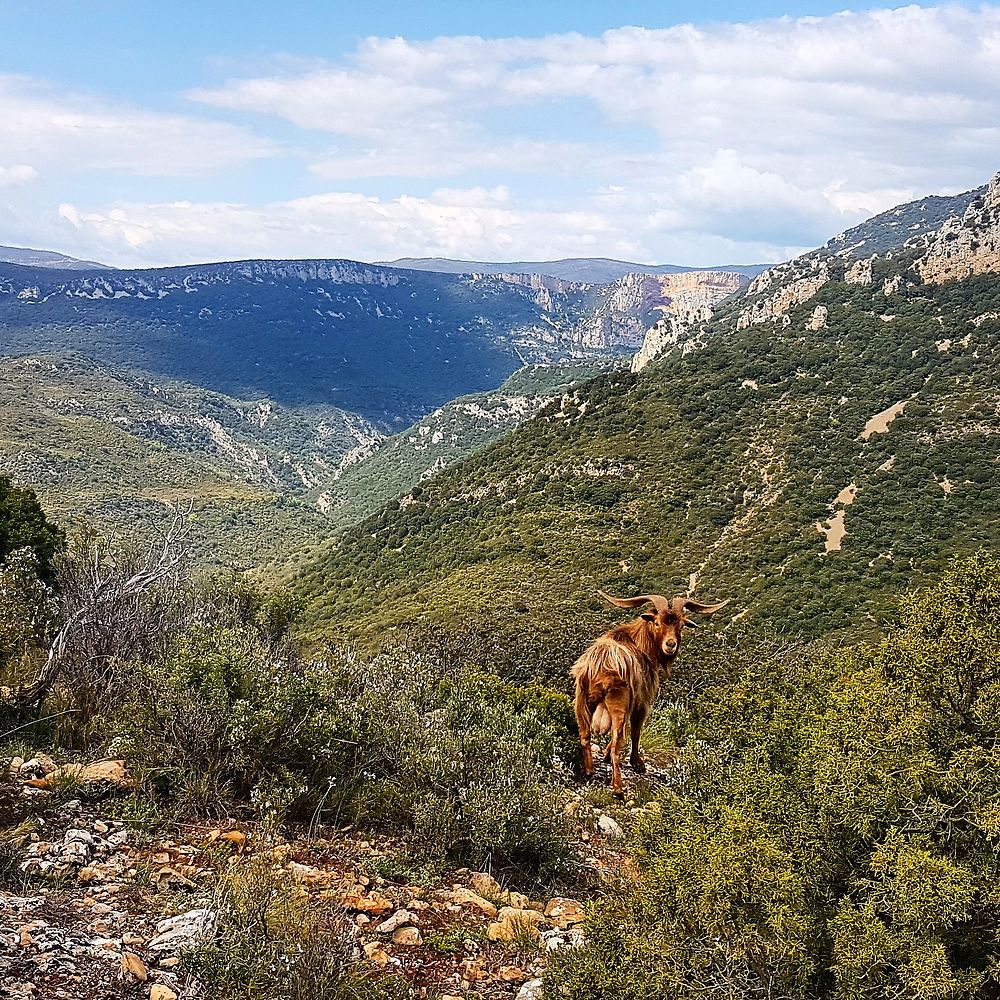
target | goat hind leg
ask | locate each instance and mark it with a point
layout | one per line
(617, 705)
(636, 720)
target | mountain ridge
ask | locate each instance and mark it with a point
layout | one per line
(593, 270)
(811, 459)
(48, 258)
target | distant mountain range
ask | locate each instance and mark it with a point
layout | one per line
(254, 386)
(47, 258)
(387, 344)
(593, 270)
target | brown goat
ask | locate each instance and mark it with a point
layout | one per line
(618, 676)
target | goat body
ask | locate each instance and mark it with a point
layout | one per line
(617, 678)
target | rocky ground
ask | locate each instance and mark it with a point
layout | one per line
(91, 907)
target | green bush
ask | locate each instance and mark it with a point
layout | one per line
(834, 829)
(275, 944)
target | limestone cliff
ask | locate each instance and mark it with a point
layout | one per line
(792, 283)
(966, 246)
(685, 300)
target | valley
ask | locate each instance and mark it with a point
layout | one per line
(295, 557)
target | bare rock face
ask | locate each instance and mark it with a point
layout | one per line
(619, 319)
(793, 283)
(818, 319)
(687, 301)
(966, 246)
(860, 272)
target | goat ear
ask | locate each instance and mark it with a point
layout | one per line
(690, 624)
(648, 618)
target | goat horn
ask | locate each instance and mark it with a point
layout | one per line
(701, 609)
(661, 603)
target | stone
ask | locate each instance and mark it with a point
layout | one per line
(38, 766)
(399, 919)
(531, 990)
(134, 966)
(467, 898)
(511, 974)
(474, 970)
(373, 903)
(108, 772)
(160, 992)
(183, 930)
(564, 912)
(375, 953)
(407, 936)
(608, 827)
(486, 885)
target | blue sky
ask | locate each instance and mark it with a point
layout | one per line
(146, 134)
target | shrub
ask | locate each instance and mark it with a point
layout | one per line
(833, 829)
(275, 944)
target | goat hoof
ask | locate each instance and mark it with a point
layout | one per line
(638, 765)
(618, 795)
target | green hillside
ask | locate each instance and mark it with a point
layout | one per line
(119, 450)
(452, 432)
(721, 463)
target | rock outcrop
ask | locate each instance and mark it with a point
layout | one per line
(687, 301)
(967, 246)
(792, 283)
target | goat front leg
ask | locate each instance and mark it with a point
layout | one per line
(636, 721)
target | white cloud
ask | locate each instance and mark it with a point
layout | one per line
(71, 131)
(726, 142)
(876, 103)
(17, 175)
(468, 223)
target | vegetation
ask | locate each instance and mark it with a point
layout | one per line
(721, 462)
(833, 831)
(23, 525)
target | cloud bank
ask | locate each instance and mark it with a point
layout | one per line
(731, 142)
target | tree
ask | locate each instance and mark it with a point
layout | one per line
(23, 524)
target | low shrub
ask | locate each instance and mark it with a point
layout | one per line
(273, 943)
(832, 831)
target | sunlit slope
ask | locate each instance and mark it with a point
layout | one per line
(724, 463)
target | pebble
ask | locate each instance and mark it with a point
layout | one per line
(531, 990)
(407, 936)
(399, 919)
(183, 930)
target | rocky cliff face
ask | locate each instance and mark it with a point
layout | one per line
(967, 246)
(770, 295)
(690, 304)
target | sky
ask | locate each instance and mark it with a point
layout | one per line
(144, 134)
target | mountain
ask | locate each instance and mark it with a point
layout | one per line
(449, 434)
(890, 229)
(594, 270)
(387, 344)
(113, 447)
(827, 440)
(252, 386)
(47, 258)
